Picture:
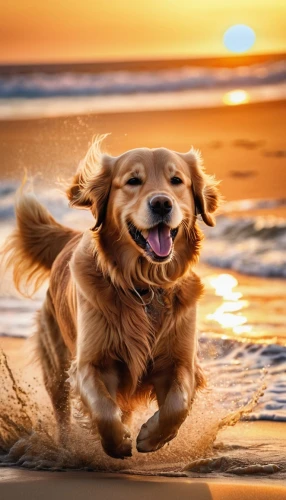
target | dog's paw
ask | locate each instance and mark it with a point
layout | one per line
(151, 436)
(119, 450)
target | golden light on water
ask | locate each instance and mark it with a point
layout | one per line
(228, 314)
(236, 97)
(223, 285)
(227, 319)
(242, 329)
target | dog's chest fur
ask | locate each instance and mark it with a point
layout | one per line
(133, 329)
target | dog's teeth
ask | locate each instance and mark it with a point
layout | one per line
(144, 233)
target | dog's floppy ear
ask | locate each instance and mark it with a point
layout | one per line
(204, 187)
(91, 185)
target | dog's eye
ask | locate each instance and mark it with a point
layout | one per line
(176, 180)
(134, 181)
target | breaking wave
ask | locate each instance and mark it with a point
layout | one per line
(252, 245)
(40, 84)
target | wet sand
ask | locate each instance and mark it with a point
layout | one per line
(16, 483)
(243, 146)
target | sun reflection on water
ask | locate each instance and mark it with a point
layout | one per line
(235, 97)
(228, 314)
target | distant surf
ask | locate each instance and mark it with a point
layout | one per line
(37, 93)
(39, 84)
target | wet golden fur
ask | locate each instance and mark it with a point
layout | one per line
(119, 347)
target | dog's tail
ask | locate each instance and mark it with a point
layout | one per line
(34, 245)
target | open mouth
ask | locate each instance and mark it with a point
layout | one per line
(159, 242)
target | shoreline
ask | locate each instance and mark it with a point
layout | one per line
(13, 109)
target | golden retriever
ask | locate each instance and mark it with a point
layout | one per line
(118, 325)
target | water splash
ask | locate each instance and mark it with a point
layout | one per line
(28, 433)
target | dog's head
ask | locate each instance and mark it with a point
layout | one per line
(147, 198)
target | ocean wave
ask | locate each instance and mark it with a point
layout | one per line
(250, 245)
(237, 368)
(257, 204)
(40, 84)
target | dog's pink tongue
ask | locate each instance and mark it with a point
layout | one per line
(159, 239)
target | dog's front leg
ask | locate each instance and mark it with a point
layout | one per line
(96, 379)
(176, 377)
(97, 389)
(95, 385)
(174, 394)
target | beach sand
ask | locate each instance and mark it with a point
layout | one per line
(243, 147)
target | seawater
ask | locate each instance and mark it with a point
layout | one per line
(36, 93)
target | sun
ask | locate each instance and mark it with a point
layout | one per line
(239, 38)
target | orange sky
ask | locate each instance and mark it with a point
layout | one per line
(75, 30)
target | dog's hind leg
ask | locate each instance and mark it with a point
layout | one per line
(55, 359)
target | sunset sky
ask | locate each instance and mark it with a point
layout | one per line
(75, 30)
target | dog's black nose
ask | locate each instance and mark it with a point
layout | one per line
(161, 204)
